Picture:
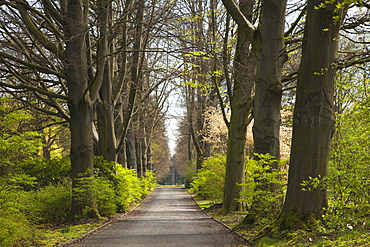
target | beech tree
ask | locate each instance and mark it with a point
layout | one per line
(313, 120)
(47, 41)
(269, 48)
(241, 104)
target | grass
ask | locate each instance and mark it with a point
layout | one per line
(359, 236)
(65, 233)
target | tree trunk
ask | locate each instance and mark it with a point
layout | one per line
(139, 160)
(241, 104)
(144, 154)
(131, 149)
(313, 120)
(271, 58)
(119, 119)
(105, 119)
(105, 108)
(267, 102)
(80, 107)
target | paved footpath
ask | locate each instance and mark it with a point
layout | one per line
(168, 217)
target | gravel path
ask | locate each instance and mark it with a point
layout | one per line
(168, 217)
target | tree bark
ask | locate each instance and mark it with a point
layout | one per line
(131, 149)
(105, 119)
(267, 101)
(80, 107)
(105, 107)
(313, 120)
(241, 104)
(271, 58)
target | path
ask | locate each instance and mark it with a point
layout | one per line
(168, 217)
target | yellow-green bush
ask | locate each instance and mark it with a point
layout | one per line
(14, 225)
(127, 187)
(209, 180)
(50, 204)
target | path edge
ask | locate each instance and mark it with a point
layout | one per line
(107, 223)
(221, 223)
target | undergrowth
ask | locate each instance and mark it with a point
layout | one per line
(358, 236)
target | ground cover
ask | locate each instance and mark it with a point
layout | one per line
(358, 236)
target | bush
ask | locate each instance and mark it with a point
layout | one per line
(128, 189)
(348, 181)
(14, 225)
(50, 204)
(209, 180)
(265, 184)
(48, 172)
(147, 183)
(105, 197)
(124, 183)
(191, 171)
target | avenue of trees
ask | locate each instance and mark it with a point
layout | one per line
(275, 96)
(295, 59)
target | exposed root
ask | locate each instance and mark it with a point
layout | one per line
(286, 224)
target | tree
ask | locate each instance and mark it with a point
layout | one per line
(269, 48)
(313, 120)
(82, 94)
(241, 104)
(49, 53)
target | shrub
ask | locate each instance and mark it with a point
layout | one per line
(125, 184)
(14, 225)
(50, 204)
(105, 197)
(191, 171)
(128, 189)
(209, 180)
(348, 183)
(47, 172)
(265, 184)
(147, 183)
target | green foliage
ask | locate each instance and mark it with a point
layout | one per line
(50, 204)
(264, 183)
(148, 182)
(339, 4)
(16, 149)
(190, 173)
(209, 180)
(126, 187)
(15, 146)
(14, 225)
(47, 172)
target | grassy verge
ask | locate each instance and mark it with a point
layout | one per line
(52, 236)
(358, 236)
(65, 233)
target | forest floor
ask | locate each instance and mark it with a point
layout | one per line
(358, 236)
(167, 217)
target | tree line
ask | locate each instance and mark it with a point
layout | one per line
(286, 55)
(85, 64)
(105, 69)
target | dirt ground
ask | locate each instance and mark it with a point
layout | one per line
(168, 217)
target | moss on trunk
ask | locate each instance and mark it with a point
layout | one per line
(286, 224)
